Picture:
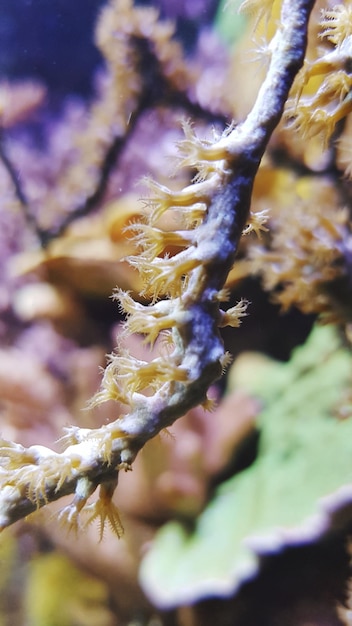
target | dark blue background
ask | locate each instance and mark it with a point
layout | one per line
(52, 40)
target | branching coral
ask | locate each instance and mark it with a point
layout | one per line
(321, 95)
(307, 262)
(214, 210)
(144, 66)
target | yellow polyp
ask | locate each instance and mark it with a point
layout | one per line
(225, 361)
(104, 510)
(164, 276)
(107, 449)
(16, 455)
(69, 515)
(7, 446)
(336, 24)
(150, 326)
(166, 199)
(336, 85)
(137, 375)
(67, 469)
(33, 480)
(233, 316)
(196, 153)
(310, 121)
(333, 91)
(223, 295)
(193, 215)
(126, 303)
(153, 241)
(110, 387)
(109, 435)
(148, 320)
(68, 519)
(257, 223)
(308, 82)
(261, 54)
(209, 404)
(321, 94)
(325, 122)
(342, 110)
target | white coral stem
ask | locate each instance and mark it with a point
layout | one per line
(98, 454)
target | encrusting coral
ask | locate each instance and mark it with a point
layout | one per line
(213, 212)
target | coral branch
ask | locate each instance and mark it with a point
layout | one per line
(194, 279)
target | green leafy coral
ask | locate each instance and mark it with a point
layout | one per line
(289, 495)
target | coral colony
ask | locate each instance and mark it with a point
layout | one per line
(181, 306)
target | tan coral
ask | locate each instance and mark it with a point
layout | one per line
(316, 107)
(306, 255)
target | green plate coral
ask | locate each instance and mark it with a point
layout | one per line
(300, 480)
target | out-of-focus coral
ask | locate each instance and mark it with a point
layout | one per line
(90, 257)
(18, 101)
(306, 262)
(52, 577)
(9, 559)
(291, 494)
(45, 381)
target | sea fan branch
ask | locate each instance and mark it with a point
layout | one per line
(194, 278)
